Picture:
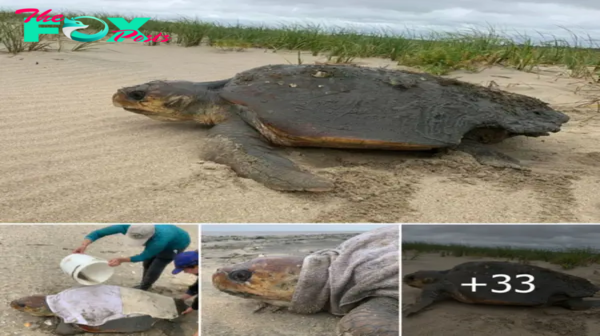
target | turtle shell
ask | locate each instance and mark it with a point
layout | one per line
(352, 106)
(548, 285)
(125, 325)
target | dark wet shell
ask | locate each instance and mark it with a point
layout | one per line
(131, 324)
(548, 283)
(384, 105)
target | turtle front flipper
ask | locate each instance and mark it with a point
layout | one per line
(488, 156)
(375, 317)
(428, 297)
(65, 329)
(170, 327)
(238, 145)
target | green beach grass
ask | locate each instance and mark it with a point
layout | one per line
(437, 53)
(567, 258)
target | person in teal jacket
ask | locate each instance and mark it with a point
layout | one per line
(161, 244)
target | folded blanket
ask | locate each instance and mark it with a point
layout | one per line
(96, 305)
(336, 280)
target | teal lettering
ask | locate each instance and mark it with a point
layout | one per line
(32, 30)
(122, 24)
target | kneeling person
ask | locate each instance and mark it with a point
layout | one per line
(187, 262)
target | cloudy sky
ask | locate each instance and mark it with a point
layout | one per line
(310, 228)
(512, 16)
(534, 236)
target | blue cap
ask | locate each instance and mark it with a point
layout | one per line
(185, 260)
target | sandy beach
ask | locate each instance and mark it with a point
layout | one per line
(226, 315)
(31, 258)
(450, 318)
(69, 155)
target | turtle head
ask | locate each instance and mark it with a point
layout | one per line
(271, 279)
(421, 279)
(34, 305)
(175, 101)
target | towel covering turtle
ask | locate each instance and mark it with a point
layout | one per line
(96, 305)
(366, 265)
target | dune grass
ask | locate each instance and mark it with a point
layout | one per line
(437, 53)
(567, 258)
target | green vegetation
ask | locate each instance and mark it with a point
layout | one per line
(437, 53)
(567, 259)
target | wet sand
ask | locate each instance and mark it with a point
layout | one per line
(226, 315)
(450, 318)
(69, 155)
(31, 256)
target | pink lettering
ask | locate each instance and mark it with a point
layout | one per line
(44, 16)
(134, 33)
(26, 10)
(165, 38)
(121, 32)
(153, 38)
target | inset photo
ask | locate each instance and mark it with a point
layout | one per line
(498, 280)
(300, 280)
(134, 280)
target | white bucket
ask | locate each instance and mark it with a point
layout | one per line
(85, 269)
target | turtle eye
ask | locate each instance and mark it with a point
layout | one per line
(240, 276)
(137, 95)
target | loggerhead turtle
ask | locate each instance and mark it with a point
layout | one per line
(106, 309)
(339, 106)
(358, 280)
(550, 288)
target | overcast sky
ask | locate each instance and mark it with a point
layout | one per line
(233, 229)
(544, 236)
(512, 16)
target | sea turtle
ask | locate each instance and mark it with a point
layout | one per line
(106, 309)
(358, 280)
(339, 106)
(519, 284)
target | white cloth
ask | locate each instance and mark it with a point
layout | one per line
(96, 305)
(336, 280)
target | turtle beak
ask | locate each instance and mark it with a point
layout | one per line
(121, 98)
(219, 278)
(117, 98)
(17, 305)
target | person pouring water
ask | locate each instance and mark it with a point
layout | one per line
(161, 244)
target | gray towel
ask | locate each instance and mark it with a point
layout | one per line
(336, 280)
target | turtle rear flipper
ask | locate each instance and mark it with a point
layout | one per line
(375, 317)
(578, 304)
(239, 146)
(488, 156)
